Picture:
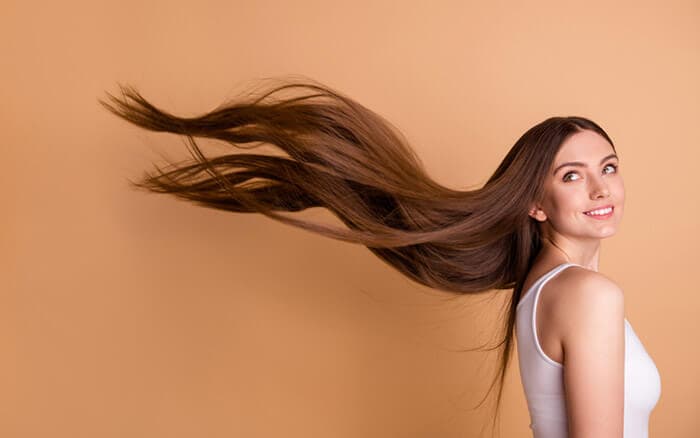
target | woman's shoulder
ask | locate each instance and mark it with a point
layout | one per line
(582, 292)
(580, 280)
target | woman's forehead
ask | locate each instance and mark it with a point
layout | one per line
(583, 146)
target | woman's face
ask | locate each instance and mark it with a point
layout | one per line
(584, 177)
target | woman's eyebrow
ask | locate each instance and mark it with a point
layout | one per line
(580, 164)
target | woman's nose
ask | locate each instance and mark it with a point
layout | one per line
(600, 190)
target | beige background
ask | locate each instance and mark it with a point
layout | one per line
(129, 314)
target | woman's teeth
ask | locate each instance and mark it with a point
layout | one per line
(601, 212)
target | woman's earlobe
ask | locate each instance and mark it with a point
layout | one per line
(538, 215)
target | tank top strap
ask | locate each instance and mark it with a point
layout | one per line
(539, 284)
(556, 270)
(534, 290)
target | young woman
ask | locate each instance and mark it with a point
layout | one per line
(534, 228)
(584, 370)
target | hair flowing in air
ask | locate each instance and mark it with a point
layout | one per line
(344, 157)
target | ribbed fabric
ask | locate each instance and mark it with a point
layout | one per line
(543, 382)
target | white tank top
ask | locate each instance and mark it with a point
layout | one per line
(543, 382)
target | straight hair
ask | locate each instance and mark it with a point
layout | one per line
(342, 156)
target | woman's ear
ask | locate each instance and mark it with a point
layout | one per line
(537, 214)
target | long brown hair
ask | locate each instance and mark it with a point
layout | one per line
(351, 161)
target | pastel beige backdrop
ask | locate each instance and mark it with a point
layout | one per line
(131, 314)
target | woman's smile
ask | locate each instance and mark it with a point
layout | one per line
(601, 213)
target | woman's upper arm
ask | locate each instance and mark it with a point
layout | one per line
(593, 340)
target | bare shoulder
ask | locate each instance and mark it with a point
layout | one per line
(583, 297)
(586, 297)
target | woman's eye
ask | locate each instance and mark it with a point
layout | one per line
(568, 174)
(613, 166)
(565, 177)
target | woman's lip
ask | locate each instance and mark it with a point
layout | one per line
(600, 208)
(601, 216)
